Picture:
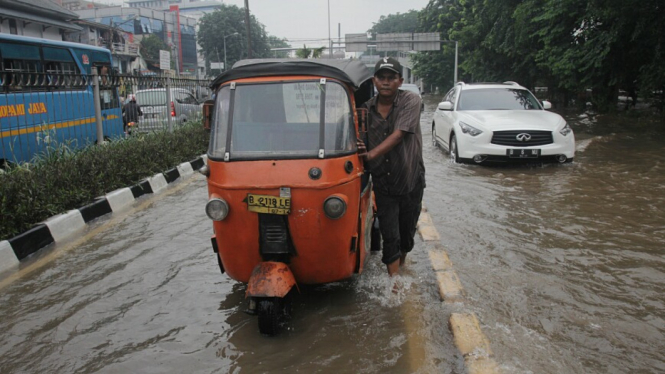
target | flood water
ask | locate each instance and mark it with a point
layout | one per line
(141, 292)
(562, 264)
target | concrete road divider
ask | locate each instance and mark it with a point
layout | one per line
(61, 226)
(468, 337)
(450, 288)
(472, 343)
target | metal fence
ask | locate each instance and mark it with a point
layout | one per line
(39, 111)
(165, 102)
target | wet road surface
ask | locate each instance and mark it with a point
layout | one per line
(562, 264)
(141, 292)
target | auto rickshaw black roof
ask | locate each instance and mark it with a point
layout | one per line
(352, 72)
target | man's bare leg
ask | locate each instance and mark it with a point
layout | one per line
(402, 259)
(393, 268)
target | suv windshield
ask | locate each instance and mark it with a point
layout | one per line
(282, 120)
(497, 99)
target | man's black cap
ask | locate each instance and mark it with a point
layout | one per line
(388, 63)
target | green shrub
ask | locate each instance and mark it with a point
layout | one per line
(61, 180)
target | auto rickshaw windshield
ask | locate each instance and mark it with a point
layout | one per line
(282, 120)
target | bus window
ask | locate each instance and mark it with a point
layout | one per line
(17, 59)
(59, 66)
(20, 58)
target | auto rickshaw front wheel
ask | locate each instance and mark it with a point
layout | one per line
(272, 313)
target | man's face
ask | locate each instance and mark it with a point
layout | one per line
(387, 82)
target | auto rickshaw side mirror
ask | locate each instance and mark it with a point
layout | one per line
(208, 107)
(362, 119)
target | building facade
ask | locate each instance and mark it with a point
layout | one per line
(36, 18)
(176, 30)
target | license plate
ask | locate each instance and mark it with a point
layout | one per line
(268, 204)
(523, 153)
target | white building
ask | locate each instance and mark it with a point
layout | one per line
(36, 18)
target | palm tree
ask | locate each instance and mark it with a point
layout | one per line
(316, 53)
(304, 52)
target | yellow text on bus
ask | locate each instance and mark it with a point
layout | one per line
(19, 109)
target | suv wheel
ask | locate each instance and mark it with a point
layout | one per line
(434, 142)
(454, 155)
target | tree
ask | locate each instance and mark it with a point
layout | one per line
(150, 47)
(304, 52)
(223, 22)
(317, 52)
(396, 23)
(276, 42)
(570, 46)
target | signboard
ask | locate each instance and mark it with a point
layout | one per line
(394, 42)
(408, 42)
(427, 41)
(164, 60)
(217, 65)
(355, 42)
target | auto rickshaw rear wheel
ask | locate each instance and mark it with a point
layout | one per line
(272, 313)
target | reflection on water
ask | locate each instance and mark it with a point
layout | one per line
(563, 263)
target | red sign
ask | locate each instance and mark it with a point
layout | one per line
(85, 59)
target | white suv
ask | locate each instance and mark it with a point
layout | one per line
(500, 122)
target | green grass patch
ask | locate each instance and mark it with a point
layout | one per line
(61, 180)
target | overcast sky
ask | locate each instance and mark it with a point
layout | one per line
(306, 21)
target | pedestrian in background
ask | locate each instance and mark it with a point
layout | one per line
(130, 113)
(394, 157)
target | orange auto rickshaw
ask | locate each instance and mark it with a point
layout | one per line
(288, 195)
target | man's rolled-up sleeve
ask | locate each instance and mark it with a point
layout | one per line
(408, 117)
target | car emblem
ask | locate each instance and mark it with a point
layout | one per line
(523, 137)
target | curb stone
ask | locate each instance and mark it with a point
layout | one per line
(465, 327)
(62, 226)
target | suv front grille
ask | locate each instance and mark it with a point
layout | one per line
(509, 138)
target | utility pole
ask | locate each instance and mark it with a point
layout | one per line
(249, 36)
(329, 40)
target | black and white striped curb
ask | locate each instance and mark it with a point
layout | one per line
(59, 227)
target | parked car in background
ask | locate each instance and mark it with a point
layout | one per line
(182, 108)
(500, 122)
(413, 88)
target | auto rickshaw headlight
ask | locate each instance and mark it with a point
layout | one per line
(335, 206)
(217, 209)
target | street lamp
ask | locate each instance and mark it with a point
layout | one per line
(235, 33)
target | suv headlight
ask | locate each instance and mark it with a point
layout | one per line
(566, 130)
(468, 129)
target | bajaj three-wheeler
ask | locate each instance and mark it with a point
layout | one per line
(288, 195)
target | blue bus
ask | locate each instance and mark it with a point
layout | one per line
(46, 96)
